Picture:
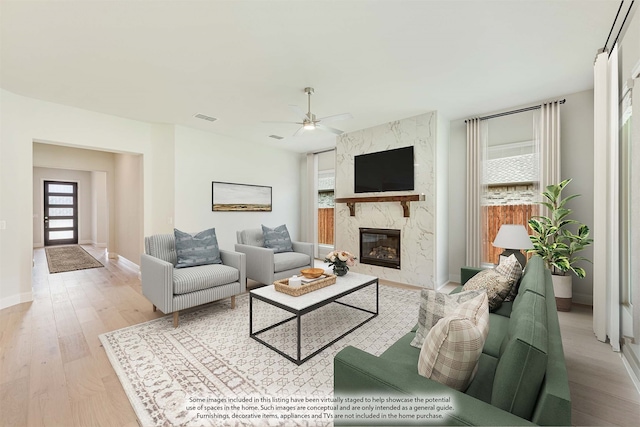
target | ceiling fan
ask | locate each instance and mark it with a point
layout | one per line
(309, 120)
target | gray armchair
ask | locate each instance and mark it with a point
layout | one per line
(265, 266)
(173, 289)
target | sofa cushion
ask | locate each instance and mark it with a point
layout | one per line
(451, 351)
(162, 246)
(495, 284)
(434, 306)
(533, 277)
(498, 330)
(482, 384)
(402, 352)
(289, 260)
(186, 280)
(523, 359)
(252, 237)
(197, 249)
(505, 309)
(277, 238)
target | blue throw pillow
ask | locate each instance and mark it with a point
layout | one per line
(198, 249)
(277, 239)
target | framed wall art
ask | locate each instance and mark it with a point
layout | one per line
(229, 197)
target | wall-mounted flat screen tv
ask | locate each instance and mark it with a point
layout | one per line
(390, 170)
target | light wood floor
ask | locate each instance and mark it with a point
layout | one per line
(53, 370)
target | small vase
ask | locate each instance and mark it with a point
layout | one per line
(340, 270)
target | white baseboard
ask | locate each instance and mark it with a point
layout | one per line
(456, 278)
(128, 263)
(16, 299)
(112, 255)
(631, 364)
(584, 299)
(438, 287)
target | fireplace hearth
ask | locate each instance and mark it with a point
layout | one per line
(380, 246)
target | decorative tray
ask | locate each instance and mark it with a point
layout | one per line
(283, 285)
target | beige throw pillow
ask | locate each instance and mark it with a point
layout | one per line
(451, 351)
(434, 306)
(495, 284)
(511, 269)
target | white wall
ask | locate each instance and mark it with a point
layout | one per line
(162, 196)
(100, 209)
(442, 201)
(576, 117)
(128, 198)
(85, 197)
(25, 120)
(203, 157)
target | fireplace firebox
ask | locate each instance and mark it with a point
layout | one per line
(380, 246)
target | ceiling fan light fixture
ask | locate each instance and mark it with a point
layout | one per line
(309, 126)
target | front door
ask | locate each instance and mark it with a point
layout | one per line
(60, 213)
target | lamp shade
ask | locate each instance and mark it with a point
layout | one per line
(512, 236)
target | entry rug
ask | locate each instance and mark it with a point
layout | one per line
(69, 258)
(209, 372)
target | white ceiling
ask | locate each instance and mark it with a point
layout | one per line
(244, 62)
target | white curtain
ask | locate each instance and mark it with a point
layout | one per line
(606, 273)
(635, 210)
(310, 228)
(477, 135)
(547, 138)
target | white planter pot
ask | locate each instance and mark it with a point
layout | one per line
(563, 291)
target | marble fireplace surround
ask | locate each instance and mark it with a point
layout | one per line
(417, 230)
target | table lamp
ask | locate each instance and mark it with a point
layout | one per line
(512, 238)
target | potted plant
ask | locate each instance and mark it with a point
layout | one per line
(557, 244)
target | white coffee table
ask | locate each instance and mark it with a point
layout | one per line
(309, 302)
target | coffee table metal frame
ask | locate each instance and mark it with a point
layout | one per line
(298, 313)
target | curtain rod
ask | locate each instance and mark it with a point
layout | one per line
(604, 48)
(521, 110)
(621, 26)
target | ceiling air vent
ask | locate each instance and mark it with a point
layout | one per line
(276, 136)
(203, 117)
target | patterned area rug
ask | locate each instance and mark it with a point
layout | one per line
(208, 371)
(69, 258)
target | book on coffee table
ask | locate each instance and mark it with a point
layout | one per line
(309, 280)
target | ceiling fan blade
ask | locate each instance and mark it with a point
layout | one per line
(288, 123)
(299, 112)
(336, 117)
(329, 129)
(299, 131)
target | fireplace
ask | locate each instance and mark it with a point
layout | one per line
(380, 246)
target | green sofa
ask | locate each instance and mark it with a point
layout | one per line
(521, 377)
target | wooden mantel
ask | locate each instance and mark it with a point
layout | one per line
(404, 201)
